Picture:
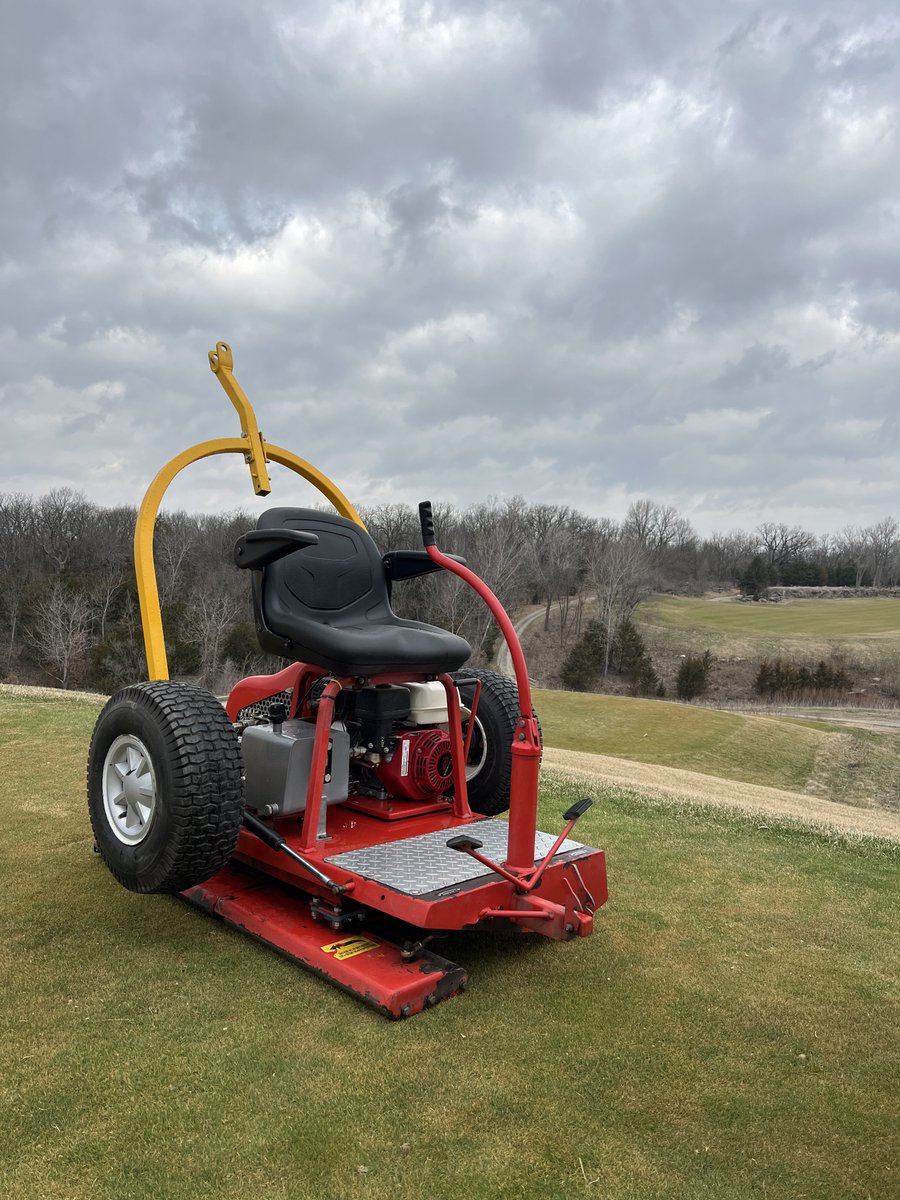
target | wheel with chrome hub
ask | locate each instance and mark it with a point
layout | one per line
(129, 789)
(165, 794)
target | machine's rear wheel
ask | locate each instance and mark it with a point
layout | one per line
(489, 762)
(165, 795)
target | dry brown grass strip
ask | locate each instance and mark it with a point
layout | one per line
(708, 789)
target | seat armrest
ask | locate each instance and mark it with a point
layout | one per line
(410, 564)
(261, 547)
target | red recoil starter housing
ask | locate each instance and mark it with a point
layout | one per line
(420, 767)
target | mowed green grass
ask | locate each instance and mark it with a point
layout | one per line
(730, 1030)
(772, 751)
(817, 620)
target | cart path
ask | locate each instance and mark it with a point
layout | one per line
(521, 623)
(675, 783)
(525, 619)
(879, 720)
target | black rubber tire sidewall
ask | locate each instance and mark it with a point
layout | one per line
(199, 804)
(498, 714)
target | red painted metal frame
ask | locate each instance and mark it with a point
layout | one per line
(526, 748)
(314, 798)
(505, 891)
(396, 810)
(248, 895)
(260, 687)
(362, 962)
(473, 712)
(457, 750)
(456, 908)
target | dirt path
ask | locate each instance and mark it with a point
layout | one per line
(504, 662)
(691, 785)
(880, 720)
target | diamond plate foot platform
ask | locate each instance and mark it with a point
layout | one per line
(421, 865)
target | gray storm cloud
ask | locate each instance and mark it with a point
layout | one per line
(577, 252)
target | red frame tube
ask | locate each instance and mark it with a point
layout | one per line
(526, 747)
(536, 877)
(472, 711)
(496, 868)
(457, 754)
(310, 831)
(500, 616)
(514, 914)
(523, 885)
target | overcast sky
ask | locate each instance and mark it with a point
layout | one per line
(583, 252)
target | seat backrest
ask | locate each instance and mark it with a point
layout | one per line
(337, 581)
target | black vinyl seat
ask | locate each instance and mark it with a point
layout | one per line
(329, 604)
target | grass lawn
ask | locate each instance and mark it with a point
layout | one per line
(730, 1031)
(817, 620)
(839, 764)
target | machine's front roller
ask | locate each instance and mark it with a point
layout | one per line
(164, 786)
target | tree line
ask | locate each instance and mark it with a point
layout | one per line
(69, 613)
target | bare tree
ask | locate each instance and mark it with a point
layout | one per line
(621, 576)
(59, 521)
(16, 560)
(568, 565)
(492, 537)
(657, 527)
(558, 543)
(60, 631)
(176, 533)
(851, 545)
(108, 582)
(781, 543)
(727, 555)
(638, 522)
(544, 523)
(392, 526)
(212, 609)
(881, 542)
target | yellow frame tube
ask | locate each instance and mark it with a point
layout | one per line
(144, 567)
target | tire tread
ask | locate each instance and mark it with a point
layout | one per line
(505, 692)
(205, 805)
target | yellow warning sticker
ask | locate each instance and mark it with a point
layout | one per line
(347, 947)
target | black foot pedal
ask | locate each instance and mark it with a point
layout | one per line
(465, 843)
(578, 809)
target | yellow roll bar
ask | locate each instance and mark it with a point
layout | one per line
(257, 453)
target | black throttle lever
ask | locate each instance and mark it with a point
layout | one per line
(426, 520)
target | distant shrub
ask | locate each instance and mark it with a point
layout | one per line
(782, 678)
(241, 643)
(629, 655)
(756, 579)
(583, 665)
(801, 573)
(693, 676)
(846, 575)
(628, 649)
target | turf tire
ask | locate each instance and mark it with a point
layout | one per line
(496, 720)
(199, 803)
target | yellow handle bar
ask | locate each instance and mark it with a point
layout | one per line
(257, 453)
